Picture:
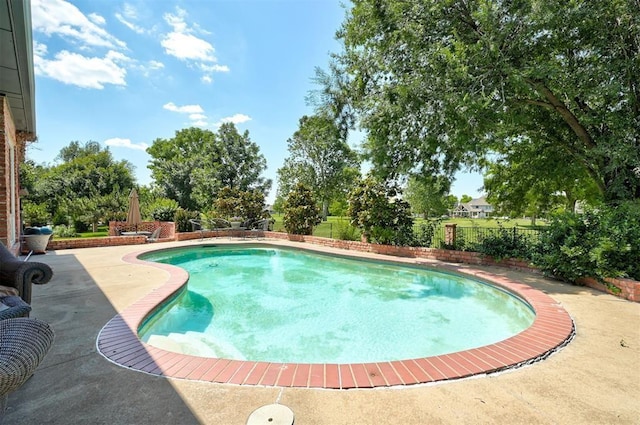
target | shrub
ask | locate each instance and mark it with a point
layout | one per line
(425, 233)
(301, 212)
(64, 231)
(243, 204)
(339, 207)
(80, 225)
(35, 214)
(163, 209)
(460, 244)
(345, 231)
(601, 242)
(506, 243)
(379, 213)
(182, 217)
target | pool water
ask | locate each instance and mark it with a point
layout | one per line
(293, 306)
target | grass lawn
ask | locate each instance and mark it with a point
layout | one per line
(491, 222)
(330, 228)
(325, 229)
(462, 222)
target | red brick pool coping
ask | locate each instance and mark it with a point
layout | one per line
(118, 341)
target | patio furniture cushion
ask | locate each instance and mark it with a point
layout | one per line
(5, 291)
(13, 306)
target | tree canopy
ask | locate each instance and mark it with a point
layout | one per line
(320, 158)
(429, 196)
(196, 163)
(442, 84)
(86, 185)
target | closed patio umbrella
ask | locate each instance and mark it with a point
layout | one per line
(133, 216)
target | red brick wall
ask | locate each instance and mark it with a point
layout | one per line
(630, 289)
(168, 228)
(95, 242)
(7, 135)
(5, 126)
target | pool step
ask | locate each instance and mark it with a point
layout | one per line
(194, 344)
(182, 343)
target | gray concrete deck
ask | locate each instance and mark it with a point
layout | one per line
(594, 380)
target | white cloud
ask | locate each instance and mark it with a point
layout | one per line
(97, 19)
(83, 33)
(186, 109)
(183, 44)
(214, 68)
(236, 119)
(156, 65)
(147, 68)
(125, 143)
(188, 47)
(76, 69)
(39, 49)
(196, 113)
(59, 17)
(198, 118)
(133, 27)
(129, 17)
(130, 11)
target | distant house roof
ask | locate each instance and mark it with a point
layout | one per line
(481, 201)
(16, 63)
(478, 204)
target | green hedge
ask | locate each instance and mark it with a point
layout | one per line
(601, 242)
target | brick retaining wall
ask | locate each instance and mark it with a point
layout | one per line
(629, 289)
(95, 242)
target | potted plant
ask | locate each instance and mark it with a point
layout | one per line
(37, 238)
(235, 221)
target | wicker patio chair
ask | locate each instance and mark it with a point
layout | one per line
(22, 274)
(23, 344)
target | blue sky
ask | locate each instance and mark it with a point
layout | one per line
(124, 73)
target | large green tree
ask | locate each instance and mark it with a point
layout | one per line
(196, 163)
(320, 158)
(84, 182)
(525, 180)
(441, 83)
(429, 196)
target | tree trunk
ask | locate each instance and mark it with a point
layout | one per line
(325, 209)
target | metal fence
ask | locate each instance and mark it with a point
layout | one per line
(475, 235)
(466, 237)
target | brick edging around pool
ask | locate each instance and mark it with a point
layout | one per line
(118, 341)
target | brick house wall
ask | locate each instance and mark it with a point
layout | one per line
(11, 154)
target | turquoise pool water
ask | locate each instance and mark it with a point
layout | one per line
(293, 306)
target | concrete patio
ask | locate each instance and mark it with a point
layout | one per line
(593, 380)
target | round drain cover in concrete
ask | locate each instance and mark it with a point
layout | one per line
(271, 414)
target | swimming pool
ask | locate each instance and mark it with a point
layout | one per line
(119, 342)
(282, 305)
